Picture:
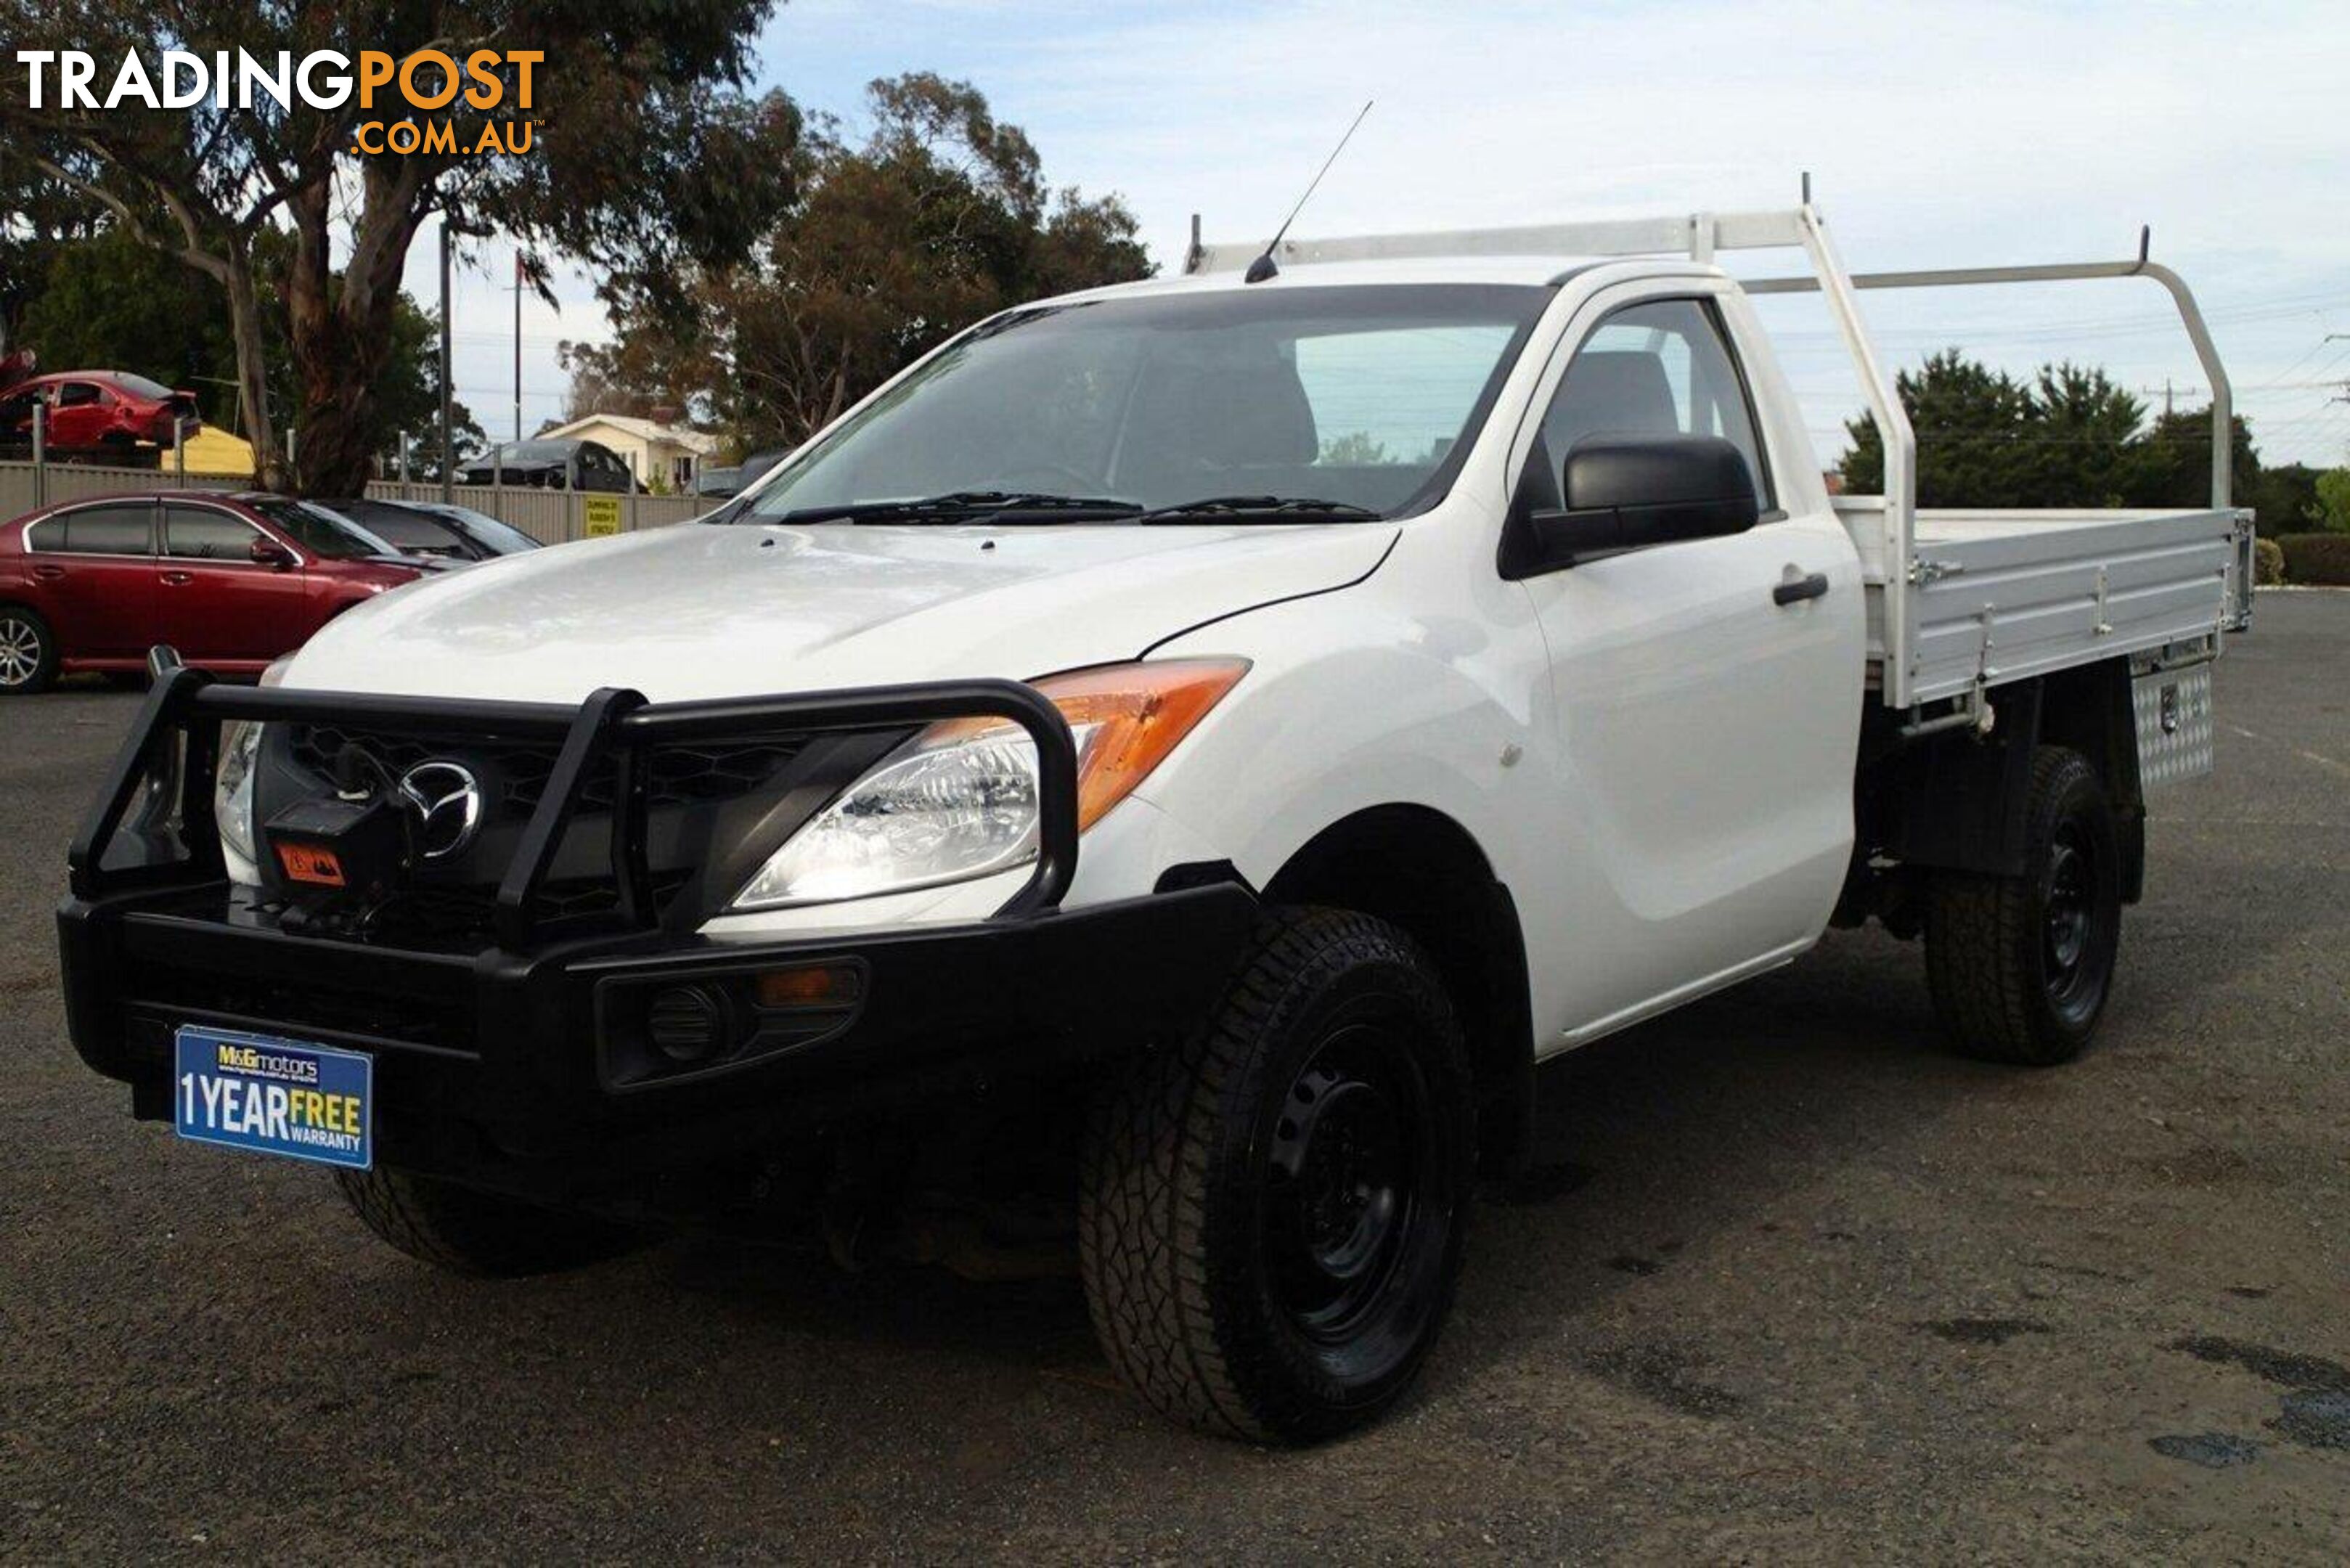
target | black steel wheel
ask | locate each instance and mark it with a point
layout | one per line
(2020, 966)
(2073, 969)
(28, 652)
(1352, 1143)
(1270, 1221)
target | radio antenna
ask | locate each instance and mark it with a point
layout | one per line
(1264, 266)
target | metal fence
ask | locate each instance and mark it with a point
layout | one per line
(550, 517)
(557, 516)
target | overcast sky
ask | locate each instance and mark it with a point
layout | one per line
(1948, 132)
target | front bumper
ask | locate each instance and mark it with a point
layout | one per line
(519, 1072)
(524, 1057)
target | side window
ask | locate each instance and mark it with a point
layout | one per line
(202, 534)
(1662, 368)
(74, 394)
(123, 530)
(1396, 397)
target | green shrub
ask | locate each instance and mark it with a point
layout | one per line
(2268, 564)
(2316, 558)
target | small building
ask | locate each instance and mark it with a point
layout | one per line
(662, 457)
(213, 454)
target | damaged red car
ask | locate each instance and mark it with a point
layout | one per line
(90, 410)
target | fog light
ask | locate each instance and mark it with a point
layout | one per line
(687, 1022)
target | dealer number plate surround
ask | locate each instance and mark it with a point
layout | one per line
(268, 1096)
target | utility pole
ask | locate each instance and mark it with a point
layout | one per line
(448, 457)
(517, 343)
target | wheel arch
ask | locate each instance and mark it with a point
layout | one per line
(1955, 801)
(1422, 871)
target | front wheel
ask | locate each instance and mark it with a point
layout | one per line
(2020, 966)
(1271, 1218)
(28, 652)
(463, 1231)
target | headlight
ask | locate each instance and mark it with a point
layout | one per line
(959, 800)
(240, 751)
(240, 755)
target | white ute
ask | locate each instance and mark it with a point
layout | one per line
(1450, 652)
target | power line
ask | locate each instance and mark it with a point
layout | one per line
(2312, 352)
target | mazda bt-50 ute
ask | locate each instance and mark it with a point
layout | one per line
(1148, 784)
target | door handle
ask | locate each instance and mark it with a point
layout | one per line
(48, 574)
(177, 578)
(1796, 590)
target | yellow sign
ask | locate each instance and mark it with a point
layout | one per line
(603, 514)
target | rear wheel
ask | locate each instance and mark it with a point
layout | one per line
(480, 1233)
(2020, 966)
(28, 652)
(1270, 1219)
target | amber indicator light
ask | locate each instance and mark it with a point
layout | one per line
(818, 985)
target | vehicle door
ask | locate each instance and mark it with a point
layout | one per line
(80, 416)
(215, 603)
(16, 414)
(94, 569)
(1706, 693)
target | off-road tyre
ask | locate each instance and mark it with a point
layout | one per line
(2021, 967)
(476, 1233)
(1271, 1216)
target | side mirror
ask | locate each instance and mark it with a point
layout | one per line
(1626, 492)
(270, 553)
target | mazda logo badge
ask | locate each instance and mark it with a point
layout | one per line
(446, 800)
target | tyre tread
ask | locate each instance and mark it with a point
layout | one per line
(1980, 933)
(472, 1233)
(1143, 1213)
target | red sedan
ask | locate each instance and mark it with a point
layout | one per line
(230, 581)
(93, 410)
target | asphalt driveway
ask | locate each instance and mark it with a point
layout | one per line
(1800, 1285)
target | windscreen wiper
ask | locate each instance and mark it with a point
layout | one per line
(1281, 508)
(965, 506)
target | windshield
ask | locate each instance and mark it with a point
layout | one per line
(1363, 396)
(139, 385)
(400, 525)
(503, 538)
(526, 451)
(319, 530)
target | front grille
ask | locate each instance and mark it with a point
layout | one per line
(696, 794)
(455, 917)
(516, 772)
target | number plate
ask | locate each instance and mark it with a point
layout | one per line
(274, 1097)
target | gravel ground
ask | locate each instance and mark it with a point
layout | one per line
(1802, 1287)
